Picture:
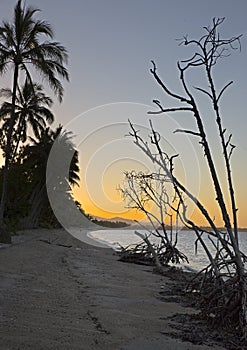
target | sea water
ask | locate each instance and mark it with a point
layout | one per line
(186, 243)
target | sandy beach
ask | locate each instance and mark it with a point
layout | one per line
(60, 293)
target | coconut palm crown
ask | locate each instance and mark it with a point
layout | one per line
(32, 109)
(21, 46)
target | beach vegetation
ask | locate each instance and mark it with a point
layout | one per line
(32, 110)
(28, 205)
(27, 46)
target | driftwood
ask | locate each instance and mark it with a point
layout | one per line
(148, 193)
(146, 253)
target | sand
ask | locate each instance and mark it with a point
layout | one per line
(70, 295)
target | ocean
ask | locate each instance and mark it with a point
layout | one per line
(186, 243)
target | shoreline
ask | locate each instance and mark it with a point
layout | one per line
(60, 293)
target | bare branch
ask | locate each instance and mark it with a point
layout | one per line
(229, 139)
(176, 109)
(231, 151)
(222, 91)
(187, 132)
(204, 91)
(160, 82)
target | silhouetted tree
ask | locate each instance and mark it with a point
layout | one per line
(35, 160)
(150, 194)
(21, 46)
(32, 109)
(222, 285)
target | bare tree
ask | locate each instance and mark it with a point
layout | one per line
(223, 282)
(149, 193)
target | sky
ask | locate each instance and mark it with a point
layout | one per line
(110, 45)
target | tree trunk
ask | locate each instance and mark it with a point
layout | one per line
(5, 236)
(150, 247)
(38, 196)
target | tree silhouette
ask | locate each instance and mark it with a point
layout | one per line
(222, 284)
(31, 109)
(22, 47)
(31, 207)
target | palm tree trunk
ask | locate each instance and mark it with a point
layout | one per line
(4, 235)
(37, 199)
(19, 130)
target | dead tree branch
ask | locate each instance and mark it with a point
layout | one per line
(223, 286)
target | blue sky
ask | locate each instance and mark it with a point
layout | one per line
(110, 45)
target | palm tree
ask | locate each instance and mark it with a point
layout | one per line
(31, 108)
(35, 158)
(21, 47)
